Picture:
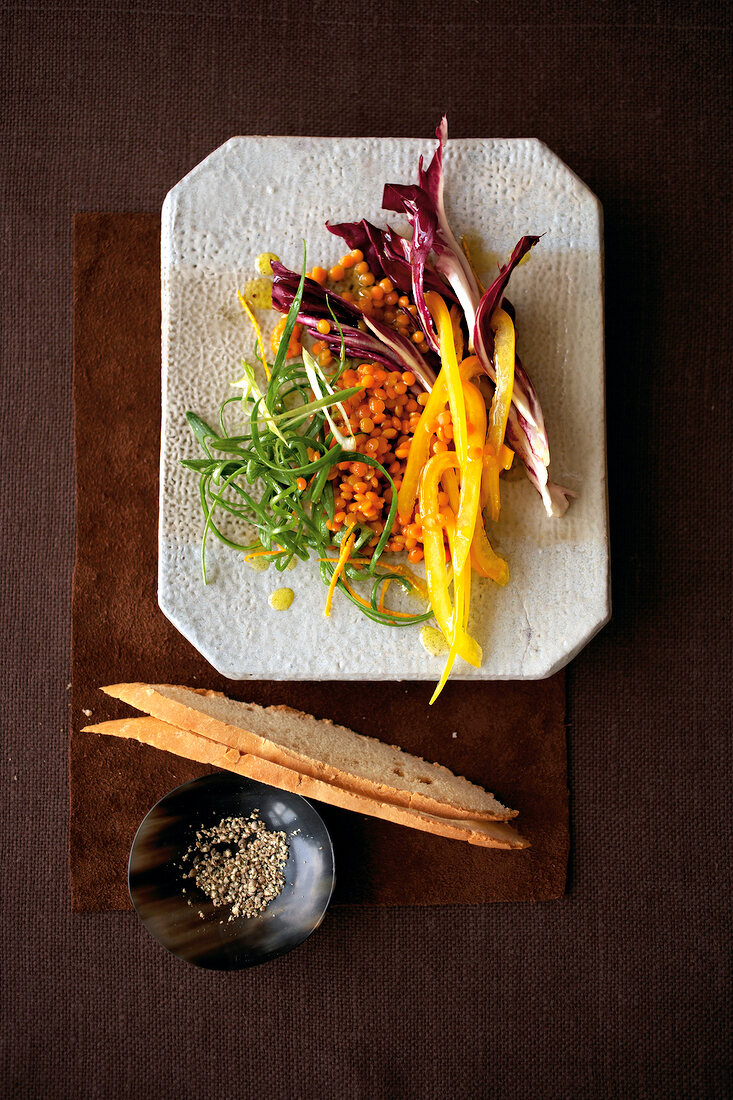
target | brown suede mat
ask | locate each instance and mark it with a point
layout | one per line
(511, 736)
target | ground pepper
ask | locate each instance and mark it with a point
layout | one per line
(238, 863)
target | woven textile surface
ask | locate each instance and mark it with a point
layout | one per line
(618, 989)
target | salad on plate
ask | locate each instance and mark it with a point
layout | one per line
(374, 433)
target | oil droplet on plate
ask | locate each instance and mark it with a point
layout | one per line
(258, 293)
(281, 599)
(433, 641)
(263, 263)
(258, 564)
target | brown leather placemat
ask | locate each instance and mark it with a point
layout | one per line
(510, 736)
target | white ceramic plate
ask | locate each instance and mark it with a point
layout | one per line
(258, 194)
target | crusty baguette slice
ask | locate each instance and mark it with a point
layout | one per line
(181, 742)
(318, 748)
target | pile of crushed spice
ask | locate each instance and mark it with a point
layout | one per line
(239, 863)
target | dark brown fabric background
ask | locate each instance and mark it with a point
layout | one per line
(618, 990)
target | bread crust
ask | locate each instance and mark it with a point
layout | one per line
(183, 742)
(149, 700)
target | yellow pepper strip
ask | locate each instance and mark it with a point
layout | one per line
(506, 457)
(466, 596)
(437, 575)
(462, 588)
(504, 352)
(424, 432)
(455, 320)
(436, 572)
(471, 469)
(489, 464)
(470, 367)
(450, 481)
(457, 631)
(441, 317)
(420, 448)
(484, 559)
(450, 526)
(346, 545)
(256, 327)
(504, 461)
(383, 594)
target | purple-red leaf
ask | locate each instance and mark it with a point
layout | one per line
(358, 235)
(492, 297)
(316, 299)
(524, 397)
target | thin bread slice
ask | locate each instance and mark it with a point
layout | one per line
(317, 747)
(182, 742)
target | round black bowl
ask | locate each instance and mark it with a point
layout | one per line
(161, 893)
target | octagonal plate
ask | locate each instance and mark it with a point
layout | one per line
(257, 194)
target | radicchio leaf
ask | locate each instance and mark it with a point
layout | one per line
(523, 440)
(316, 299)
(399, 354)
(358, 235)
(431, 181)
(492, 297)
(416, 205)
(425, 201)
(524, 396)
(405, 351)
(425, 209)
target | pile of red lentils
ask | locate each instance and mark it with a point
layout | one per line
(383, 417)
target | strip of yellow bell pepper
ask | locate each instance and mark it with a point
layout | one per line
(455, 320)
(256, 327)
(343, 557)
(471, 469)
(441, 317)
(460, 586)
(450, 481)
(470, 367)
(420, 448)
(504, 353)
(467, 596)
(450, 526)
(484, 559)
(505, 460)
(423, 434)
(436, 573)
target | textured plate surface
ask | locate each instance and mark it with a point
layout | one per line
(258, 194)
